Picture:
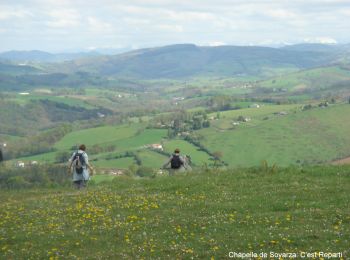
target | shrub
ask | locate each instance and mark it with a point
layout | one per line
(38, 176)
(145, 172)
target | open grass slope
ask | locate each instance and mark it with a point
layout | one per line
(75, 102)
(317, 78)
(151, 159)
(200, 216)
(120, 163)
(257, 114)
(125, 137)
(313, 136)
(98, 135)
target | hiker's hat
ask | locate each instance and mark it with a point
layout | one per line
(177, 150)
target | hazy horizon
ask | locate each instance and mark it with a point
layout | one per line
(72, 26)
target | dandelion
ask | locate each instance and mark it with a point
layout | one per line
(189, 251)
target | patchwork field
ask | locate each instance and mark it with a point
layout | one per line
(277, 134)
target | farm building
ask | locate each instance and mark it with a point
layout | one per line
(254, 106)
(117, 172)
(157, 146)
(19, 164)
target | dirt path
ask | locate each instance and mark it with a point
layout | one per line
(342, 161)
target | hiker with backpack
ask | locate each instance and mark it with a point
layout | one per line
(79, 165)
(177, 163)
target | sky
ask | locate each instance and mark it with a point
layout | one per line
(82, 25)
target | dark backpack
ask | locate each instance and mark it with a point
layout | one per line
(176, 162)
(79, 162)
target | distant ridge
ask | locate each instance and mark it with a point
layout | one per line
(188, 60)
(42, 56)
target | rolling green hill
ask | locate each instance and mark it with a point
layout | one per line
(332, 77)
(28, 114)
(278, 134)
(41, 56)
(182, 61)
(8, 68)
(313, 136)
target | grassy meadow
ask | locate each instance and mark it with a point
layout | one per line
(98, 135)
(313, 136)
(25, 99)
(151, 159)
(313, 78)
(120, 163)
(202, 215)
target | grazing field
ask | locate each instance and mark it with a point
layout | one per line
(45, 157)
(99, 135)
(200, 216)
(152, 159)
(314, 78)
(147, 136)
(121, 163)
(23, 99)
(256, 114)
(313, 136)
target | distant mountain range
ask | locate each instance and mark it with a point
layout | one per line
(41, 56)
(187, 60)
(183, 61)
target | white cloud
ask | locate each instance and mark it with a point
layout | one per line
(97, 25)
(216, 43)
(136, 21)
(30, 24)
(345, 12)
(323, 40)
(170, 27)
(14, 12)
(281, 13)
(63, 18)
